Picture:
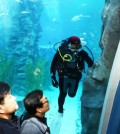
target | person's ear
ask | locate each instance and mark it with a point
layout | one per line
(1, 109)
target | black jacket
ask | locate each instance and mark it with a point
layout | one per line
(74, 65)
(8, 127)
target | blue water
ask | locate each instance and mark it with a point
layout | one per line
(28, 31)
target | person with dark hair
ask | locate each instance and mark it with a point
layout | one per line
(34, 121)
(69, 62)
(8, 105)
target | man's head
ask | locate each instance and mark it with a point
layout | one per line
(36, 103)
(74, 43)
(8, 104)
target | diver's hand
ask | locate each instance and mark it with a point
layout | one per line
(54, 82)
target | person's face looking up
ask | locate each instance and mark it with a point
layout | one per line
(45, 106)
(9, 105)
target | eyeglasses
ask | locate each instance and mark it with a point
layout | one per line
(45, 102)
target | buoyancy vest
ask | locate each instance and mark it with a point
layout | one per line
(70, 63)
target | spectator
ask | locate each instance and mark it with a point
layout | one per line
(9, 123)
(34, 121)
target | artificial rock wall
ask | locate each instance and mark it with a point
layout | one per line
(96, 80)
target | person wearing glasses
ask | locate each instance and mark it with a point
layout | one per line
(69, 63)
(33, 121)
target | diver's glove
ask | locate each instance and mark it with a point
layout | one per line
(54, 81)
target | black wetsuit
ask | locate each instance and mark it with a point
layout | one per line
(69, 72)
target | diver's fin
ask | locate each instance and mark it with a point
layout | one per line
(56, 124)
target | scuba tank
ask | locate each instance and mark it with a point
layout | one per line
(62, 46)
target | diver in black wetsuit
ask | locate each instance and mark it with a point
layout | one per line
(69, 63)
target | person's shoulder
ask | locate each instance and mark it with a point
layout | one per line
(31, 125)
(28, 125)
(56, 54)
(25, 123)
(8, 127)
(31, 121)
(40, 123)
(83, 52)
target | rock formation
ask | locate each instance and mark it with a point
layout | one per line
(96, 80)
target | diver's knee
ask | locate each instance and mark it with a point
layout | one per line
(71, 95)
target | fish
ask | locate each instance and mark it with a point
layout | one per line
(2, 14)
(19, 1)
(25, 12)
(45, 3)
(84, 5)
(92, 34)
(77, 17)
(54, 19)
(33, 0)
(84, 33)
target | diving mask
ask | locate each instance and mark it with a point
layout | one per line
(74, 47)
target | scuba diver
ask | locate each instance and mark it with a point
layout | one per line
(68, 62)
